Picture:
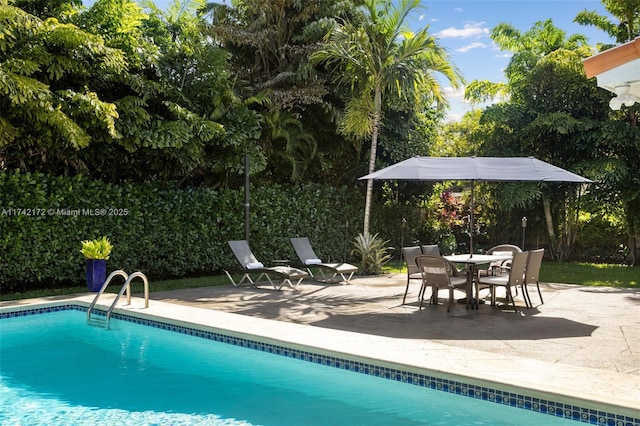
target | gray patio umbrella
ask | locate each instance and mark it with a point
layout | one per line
(486, 169)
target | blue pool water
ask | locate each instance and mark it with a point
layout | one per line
(55, 369)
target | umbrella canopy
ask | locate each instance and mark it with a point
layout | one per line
(487, 169)
(475, 168)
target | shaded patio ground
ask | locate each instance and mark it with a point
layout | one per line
(593, 327)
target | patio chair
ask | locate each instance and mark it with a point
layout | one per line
(308, 257)
(532, 274)
(413, 273)
(437, 272)
(501, 266)
(431, 250)
(515, 278)
(250, 265)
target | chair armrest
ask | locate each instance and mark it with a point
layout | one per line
(453, 269)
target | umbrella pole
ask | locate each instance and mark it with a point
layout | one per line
(471, 220)
(404, 224)
(247, 203)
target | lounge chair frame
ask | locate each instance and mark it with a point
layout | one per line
(286, 275)
(305, 253)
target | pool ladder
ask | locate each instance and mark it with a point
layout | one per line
(125, 287)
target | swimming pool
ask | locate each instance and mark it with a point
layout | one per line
(174, 378)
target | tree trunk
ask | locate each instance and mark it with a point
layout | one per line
(377, 106)
(631, 210)
(633, 248)
(572, 213)
(552, 234)
(565, 238)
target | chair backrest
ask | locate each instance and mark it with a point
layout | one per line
(431, 250)
(505, 247)
(534, 262)
(518, 266)
(409, 254)
(434, 270)
(303, 249)
(242, 251)
(501, 263)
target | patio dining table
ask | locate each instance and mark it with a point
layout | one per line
(473, 263)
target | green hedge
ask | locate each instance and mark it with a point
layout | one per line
(161, 232)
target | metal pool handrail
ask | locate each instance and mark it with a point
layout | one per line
(125, 287)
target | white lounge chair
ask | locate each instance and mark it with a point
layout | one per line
(308, 258)
(250, 265)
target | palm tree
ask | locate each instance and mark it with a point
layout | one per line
(380, 54)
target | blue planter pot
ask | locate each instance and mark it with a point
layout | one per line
(96, 274)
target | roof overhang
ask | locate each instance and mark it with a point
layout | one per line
(617, 70)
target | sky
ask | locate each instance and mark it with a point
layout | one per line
(463, 27)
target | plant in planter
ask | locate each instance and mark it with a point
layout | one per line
(96, 253)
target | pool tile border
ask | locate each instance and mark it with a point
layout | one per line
(571, 412)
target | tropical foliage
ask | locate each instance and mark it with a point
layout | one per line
(377, 54)
(99, 248)
(373, 252)
(141, 101)
(162, 232)
(621, 132)
(116, 93)
(555, 114)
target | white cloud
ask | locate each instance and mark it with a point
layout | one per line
(452, 93)
(452, 117)
(468, 47)
(457, 9)
(473, 29)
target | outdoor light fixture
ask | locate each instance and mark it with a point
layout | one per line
(622, 98)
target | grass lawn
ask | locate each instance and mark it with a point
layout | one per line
(137, 287)
(591, 274)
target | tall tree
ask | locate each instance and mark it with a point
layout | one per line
(532, 45)
(627, 12)
(119, 94)
(270, 42)
(379, 53)
(622, 135)
(49, 104)
(161, 120)
(196, 73)
(553, 113)
(527, 48)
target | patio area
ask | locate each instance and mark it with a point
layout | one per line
(590, 327)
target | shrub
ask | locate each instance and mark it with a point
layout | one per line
(372, 251)
(96, 249)
(159, 232)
